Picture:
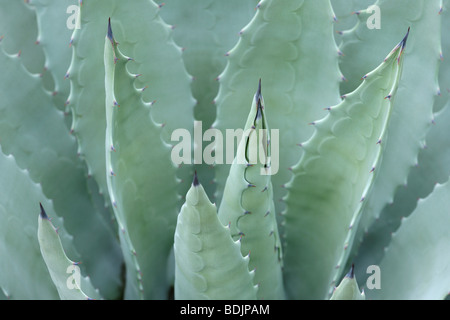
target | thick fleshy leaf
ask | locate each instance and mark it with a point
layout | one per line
(247, 204)
(141, 179)
(208, 262)
(157, 64)
(66, 274)
(412, 116)
(333, 178)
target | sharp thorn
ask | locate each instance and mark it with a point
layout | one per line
(258, 98)
(195, 182)
(351, 273)
(43, 213)
(403, 43)
(110, 33)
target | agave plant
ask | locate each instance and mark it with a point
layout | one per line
(343, 163)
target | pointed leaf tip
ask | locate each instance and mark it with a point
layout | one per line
(403, 42)
(43, 213)
(110, 33)
(258, 93)
(351, 273)
(195, 182)
(258, 98)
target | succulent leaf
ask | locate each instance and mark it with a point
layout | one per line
(137, 163)
(247, 204)
(413, 114)
(60, 266)
(208, 262)
(157, 65)
(332, 179)
(91, 134)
